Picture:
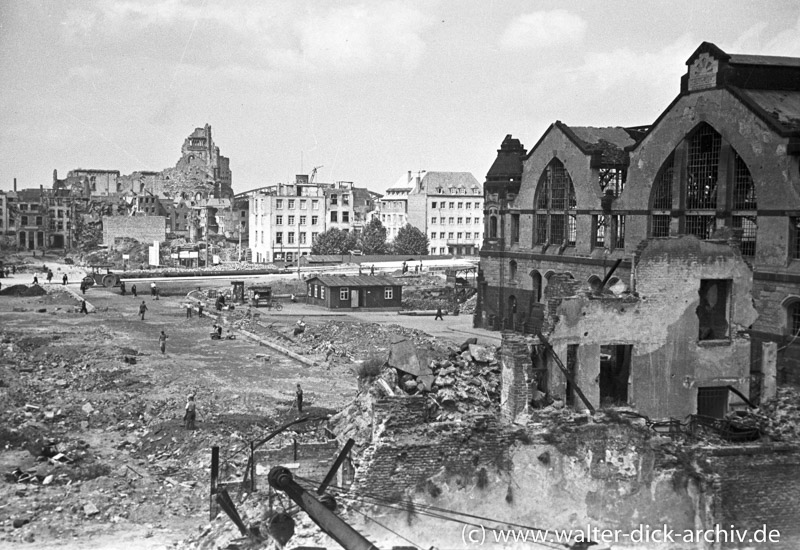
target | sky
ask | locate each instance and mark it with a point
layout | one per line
(366, 91)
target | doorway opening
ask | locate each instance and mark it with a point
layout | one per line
(615, 370)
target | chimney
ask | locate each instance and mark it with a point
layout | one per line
(15, 185)
(409, 177)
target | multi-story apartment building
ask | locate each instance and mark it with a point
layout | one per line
(448, 208)
(6, 198)
(286, 218)
(44, 219)
(394, 206)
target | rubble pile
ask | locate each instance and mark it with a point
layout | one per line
(468, 307)
(426, 298)
(23, 290)
(352, 341)
(778, 419)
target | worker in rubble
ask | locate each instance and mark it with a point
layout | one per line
(190, 413)
(122, 287)
(299, 399)
(64, 279)
(189, 310)
(133, 290)
(200, 309)
(142, 309)
(49, 276)
(83, 307)
(299, 328)
(35, 279)
(83, 287)
(162, 341)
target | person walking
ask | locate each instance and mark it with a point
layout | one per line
(190, 412)
(122, 287)
(49, 276)
(64, 280)
(83, 307)
(438, 315)
(142, 309)
(299, 399)
(162, 342)
(133, 290)
(372, 270)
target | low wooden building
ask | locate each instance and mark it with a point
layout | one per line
(354, 292)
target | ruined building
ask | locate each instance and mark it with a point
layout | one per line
(669, 346)
(723, 154)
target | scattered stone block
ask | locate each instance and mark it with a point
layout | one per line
(481, 354)
(90, 509)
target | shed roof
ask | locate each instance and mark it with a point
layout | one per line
(355, 280)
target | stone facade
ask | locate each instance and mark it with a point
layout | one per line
(144, 229)
(724, 154)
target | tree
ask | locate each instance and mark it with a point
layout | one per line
(410, 240)
(333, 241)
(373, 238)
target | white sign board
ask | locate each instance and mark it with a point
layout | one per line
(153, 257)
(126, 256)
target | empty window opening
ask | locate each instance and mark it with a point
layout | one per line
(572, 369)
(713, 311)
(615, 369)
(712, 401)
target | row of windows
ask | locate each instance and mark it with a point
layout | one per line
(290, 204)
(702, 175)
(290, 237)
(291, 219)
(452, 205)
(459, 221)
(345, 217)
(459, 190)
(318, 291)
(459, 235)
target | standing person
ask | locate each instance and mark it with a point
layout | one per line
(83, 307)
(405, 268)
(438, 315)
(142, 309)
(200, 309)
(35, 279)
(122, 287)
(64, 279)
(49, 276)
(133, 290)
(190, 412)
(162, 341)
(189, 311)
(153, 290)
(83, 287)
(299, 399)
(372, 269)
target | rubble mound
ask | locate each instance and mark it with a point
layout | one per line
(23, 290)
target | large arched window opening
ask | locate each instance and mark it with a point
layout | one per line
(707, 164)
(492, 226)
(555, 207)
(792, 305)
(536, 285)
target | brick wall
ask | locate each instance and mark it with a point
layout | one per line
(516, 374)
(398, 413)
(759, 486)
(411, 457)
(144, 229)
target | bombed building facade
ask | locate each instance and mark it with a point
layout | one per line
(723, 155)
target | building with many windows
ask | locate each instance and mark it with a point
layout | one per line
(446, 206)
(721, 162)
(286, 218)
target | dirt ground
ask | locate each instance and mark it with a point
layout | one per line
(96, 390)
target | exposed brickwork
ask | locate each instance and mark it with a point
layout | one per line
(144, 229)
(398, 413)
(759, 486)
(410, 457)
(516, 376)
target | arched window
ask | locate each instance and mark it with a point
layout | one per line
(793, 317)
(708, 157)
(555, 207)
(536, 283)
(595, 282)
(661, 202)
(512, 270)
(492, 227)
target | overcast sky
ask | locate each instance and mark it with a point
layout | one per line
(367, 90)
